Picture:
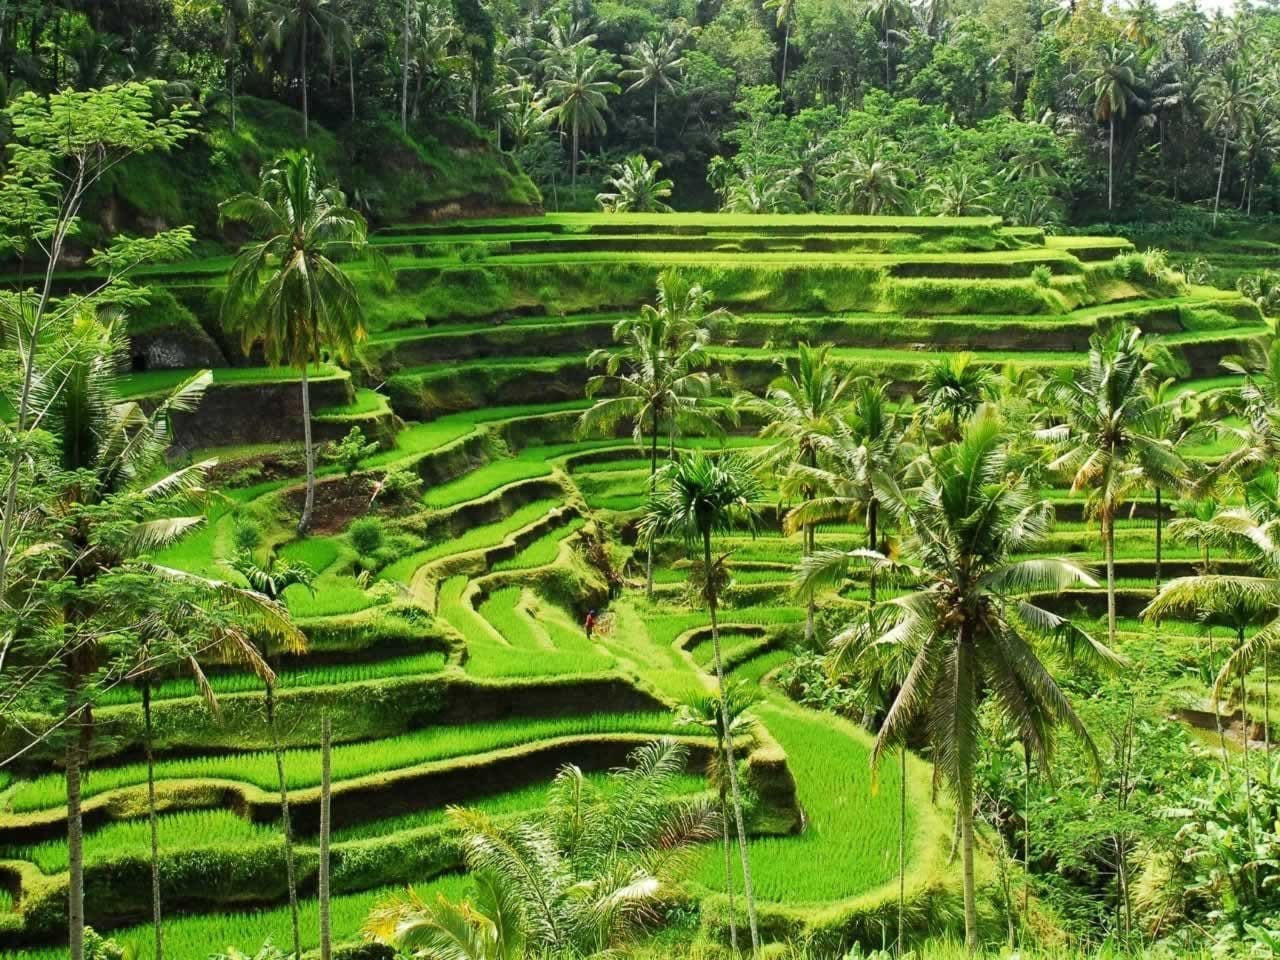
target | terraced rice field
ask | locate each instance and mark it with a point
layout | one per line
(481, 580)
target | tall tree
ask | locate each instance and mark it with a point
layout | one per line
(291, 27)
(1106, 410)
(784, 12)
(1112, 86)
(637, 187)
(654, 63)
(969, 630)
(659, 377)
(285, 290)
(1231, 92)
(800, 412)
(954, 388)
(579, 87)
(699, 498)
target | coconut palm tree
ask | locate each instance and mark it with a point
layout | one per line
(285, 289)
(759, 191)
(636, 187)
(889, 18)
(954, 388)
(698, 498)
(969, 629)
(655, 63)
(579, 87)
(1239, 601)
(1106, 409)
(867, 178)
(291, 24)
(1177, 419)
(960, 194)
(576, 880)
(800, 411)
(1231, 92)
(658, 378)
(784, 12)
(1112, 84)
(112, 514)
(863, 458)
(705, 712)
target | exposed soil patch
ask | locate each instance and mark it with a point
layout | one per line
(263, 468)
(339, 500)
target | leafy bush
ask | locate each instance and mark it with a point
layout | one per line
(366, 536)
(246, 535)
(1042, 275)
(397, 485)
(350, 450)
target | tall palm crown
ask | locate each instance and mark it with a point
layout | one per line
(955, 387)
(970, 630)
(1106, 447)
(868, 178)
(1231, 93)
(1112, 85)
(284, 288)
(291, 25)
(578, 85)
(654, 62)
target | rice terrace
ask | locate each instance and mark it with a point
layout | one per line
(489, 481)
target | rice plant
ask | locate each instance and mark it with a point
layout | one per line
(477, 538)
(543, 550)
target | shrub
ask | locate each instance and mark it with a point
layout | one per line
(350, 450)
(398, 486)
(1042, 275)
(366, 535)
(245, 535)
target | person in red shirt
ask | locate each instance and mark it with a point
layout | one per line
(590, 623)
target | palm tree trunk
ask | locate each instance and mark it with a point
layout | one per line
(351, 82)
(731, 763)
(326, 822)
(308, 504)
(1159, 532)
(75, 849)
(873, 517)
(306, 119)
(1222, 169)
(1217, 712)
(290, 871)
(786, 43)
(1266, 711)
(655, 115)
(728, 860)
(153, 821)
(573, 161)
(902, 846)
(811, 604)
(1248, 774)
(966, 858)
(232, 62)
(404, 71)
(1111, 159)
(1109, 546)
(653, 479)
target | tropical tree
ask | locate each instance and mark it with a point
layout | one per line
(969, 630)
(1177, 419)
(1231, 93)
(889, 18)
(960, 194)
(658, 378)
(1238, 601)
(698, 498)
(291, 25)
(784, 12)
(579, 88)
(800, 412)
(760, 191)
(705, 712)
(285, 289)
(954, 387)
(576, 880)
(1112, 85)
(654, 63)
(636, 187)
(1106, 410)
(867, 178)
(108, 507)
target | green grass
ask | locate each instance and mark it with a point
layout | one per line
(152, 382)
(476, 538)
(848, 823)
(318, 676)
(188, 938)
(481, 482)
(318, 553)
(366, 402)
(543, 550)
(349, 760)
